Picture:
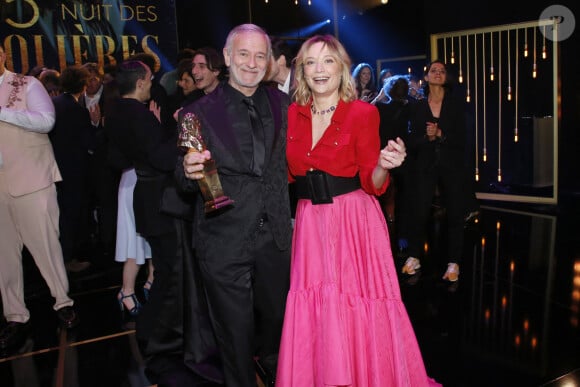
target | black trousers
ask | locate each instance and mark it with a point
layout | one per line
(72, 196)
(451, 181)
(160, 321)
(247, 292)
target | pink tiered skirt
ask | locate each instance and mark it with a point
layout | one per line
(345, 323)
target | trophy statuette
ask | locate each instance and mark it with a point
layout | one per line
(191, 140)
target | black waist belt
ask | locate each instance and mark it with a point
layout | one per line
(320, 187)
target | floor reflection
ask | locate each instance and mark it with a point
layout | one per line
(512, 319)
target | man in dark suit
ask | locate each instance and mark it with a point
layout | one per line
(70, 140)
(104, 182)
(244, 249)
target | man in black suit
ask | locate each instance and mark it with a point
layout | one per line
(104, 182)
(244, 249)
(70, 140)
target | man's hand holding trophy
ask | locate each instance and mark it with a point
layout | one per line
(201, 167)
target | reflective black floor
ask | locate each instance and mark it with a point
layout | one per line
(511, 320)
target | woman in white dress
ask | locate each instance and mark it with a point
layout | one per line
(132, 248)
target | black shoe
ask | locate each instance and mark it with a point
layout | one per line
(13, 334)
(68, 317)
(75, 266)
(266, 369)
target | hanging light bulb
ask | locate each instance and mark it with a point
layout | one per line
(460, 76)
(491, 74)
(452, 57)
(544, 53)
(309, 2)
(525, 43)
(384, 1)
(476, 174)
(509, 93)
(468, 96)
(296, 2)
(516, 137)
(534, 71)
(499, 180)
(484, 155)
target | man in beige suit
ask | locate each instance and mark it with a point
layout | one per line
(28, 206)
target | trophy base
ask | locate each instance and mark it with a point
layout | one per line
(211, 188)
(217, 203)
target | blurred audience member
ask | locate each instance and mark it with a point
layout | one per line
(169, 79)
(51, 81)
(281, 69)
(208, 70)
(70, 140)
(104, 180)
(395, 115)
(364, 81)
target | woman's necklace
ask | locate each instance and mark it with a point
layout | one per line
(322, 112)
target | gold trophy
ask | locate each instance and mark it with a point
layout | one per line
(190, 140)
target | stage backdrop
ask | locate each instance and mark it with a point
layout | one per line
(57, 33)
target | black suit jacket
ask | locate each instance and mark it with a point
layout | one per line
(254, 196)
(450, 149)
(70, 137)
(137, 139)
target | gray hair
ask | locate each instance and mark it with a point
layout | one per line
(247, 28)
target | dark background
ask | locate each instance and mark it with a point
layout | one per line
(399, 28)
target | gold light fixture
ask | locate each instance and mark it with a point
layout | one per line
(516, 136)
(534, 67)
(509, 63)
(499, 106)
(460, 67)
(452, 52)
(544, 54)
(525, 43)
(491, 74)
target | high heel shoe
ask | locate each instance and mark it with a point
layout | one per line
(147, 289)
(134, 311)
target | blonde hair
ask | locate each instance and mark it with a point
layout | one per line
(346, 89)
